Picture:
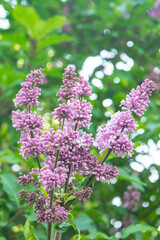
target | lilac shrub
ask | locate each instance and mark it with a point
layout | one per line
(130, 198)
(66, 152)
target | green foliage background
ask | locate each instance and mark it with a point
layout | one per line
(52, 34)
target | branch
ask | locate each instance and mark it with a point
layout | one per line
(19, 213)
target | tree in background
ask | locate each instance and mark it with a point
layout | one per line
(113, 44)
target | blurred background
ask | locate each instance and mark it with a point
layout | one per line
(115, 45)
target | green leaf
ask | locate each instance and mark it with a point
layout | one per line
(62, 227)
(84, 222)
(137, 228)
(4, 216)
(28, 17)
(43, 28)
(35, 176)
(11, 187)
(43, 191)
(53, 39)
(95, 235)
(78, 237)
(132, 178)
(70, 198)
(28, 231)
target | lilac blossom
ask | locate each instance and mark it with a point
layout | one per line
(29, 93)
(123, 145)
(123, 121)
(31, 198)
(66, 152)
(48, 216)
(155, 12)
(137, 100)
(81, 111)
(83, 87)
(67, 91)
(130, 198)
(23, 194)
(52, 179)
(27, 121)
(63, 112)
(83, 194)
(105, 172)
(60, 213)
(31, 147)
(24, 180)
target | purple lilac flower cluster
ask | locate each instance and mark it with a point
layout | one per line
(130, 198)
(83, 194)
(155, 11)
(66, 152)
(115, 134)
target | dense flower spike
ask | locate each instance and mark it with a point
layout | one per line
(66, 152)
(83, 87)
(115, 134)
(27, 121)
(137, 100)
(29, 93)
(68, 91)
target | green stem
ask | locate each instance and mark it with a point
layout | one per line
(56, 235)
(38, 161)
(51, 201)
(68, 175)
(57, 155)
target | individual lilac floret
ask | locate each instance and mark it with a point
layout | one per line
(31, 198)
(105, 172)
(137, 100)
(29, 93)
(23, 194)
(130, 198)
(60, 214)
(52, 179)
(81, 112)
(31, 147)
(83, 194)
(27, 121)
(67, 91)
(83, 87)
